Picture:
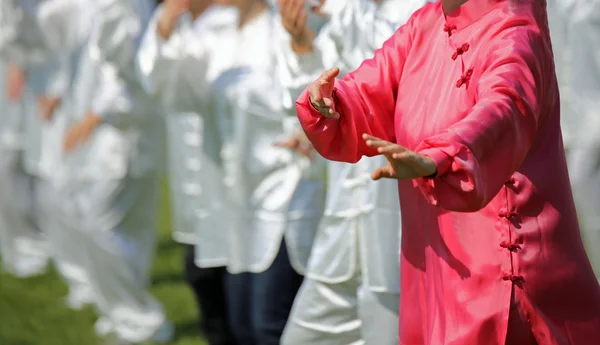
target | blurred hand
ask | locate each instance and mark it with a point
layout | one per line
(197, 7)
(298, 143)
(321, 93)
(294, 20)
(80, 132)
(47, 106)
(168, 18)
(403, 164)
(15, 80)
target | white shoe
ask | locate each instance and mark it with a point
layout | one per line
(79, 299)
(164, 334)
(104, 327)
(28, 268)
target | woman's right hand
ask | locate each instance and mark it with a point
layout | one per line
(320, 92)
(168, 18)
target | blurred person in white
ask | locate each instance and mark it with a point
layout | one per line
(113, 154)
(65, 25)
(351, 293)
(191, 204)
(575, 30)
(265, 226)
(31, 70)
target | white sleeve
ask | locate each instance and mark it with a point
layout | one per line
(358, 28)
(21, 39)
(65, 23)
(584, 68)
(115, 101)
(52, 77)
(119, 98)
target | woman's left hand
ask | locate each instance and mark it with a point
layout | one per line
(403, 164)
(80, 132)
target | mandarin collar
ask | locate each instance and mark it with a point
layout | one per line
(470, 12)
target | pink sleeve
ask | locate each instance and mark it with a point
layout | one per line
(477, 155)
(366, 101)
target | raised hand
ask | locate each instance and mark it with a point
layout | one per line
(320, 92)
(294, 20)
(168, 18)
(177, 7)
(403, 164)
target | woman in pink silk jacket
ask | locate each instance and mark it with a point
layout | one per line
(463, 101)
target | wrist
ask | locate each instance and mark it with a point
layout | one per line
(166, 24)
(303, 43)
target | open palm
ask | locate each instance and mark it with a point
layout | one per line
(403, 164)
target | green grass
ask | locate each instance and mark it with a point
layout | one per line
(32, 311)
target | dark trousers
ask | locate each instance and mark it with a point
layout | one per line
(260, 303)
(208, 285)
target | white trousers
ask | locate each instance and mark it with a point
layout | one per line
(584, 171)
(22, 245)
(342, 314)
(59, 221)
(118, 223)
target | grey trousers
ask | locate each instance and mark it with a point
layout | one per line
(23, 246)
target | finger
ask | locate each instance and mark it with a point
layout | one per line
(377, 143)
(331, 114)
(328, 102)
(379, 173)
(403, 156)
(315, 93)
(329, 75)
(391, 149)
(366, 136)
(286, 9)
(295, 11)
(302, 18)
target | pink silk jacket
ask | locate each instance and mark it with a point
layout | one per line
(496, 229)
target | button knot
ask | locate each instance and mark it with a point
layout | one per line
(449, 28)
(465, 78)
(507, 215)
(513, 278)
(510, 246)
(460, 50)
